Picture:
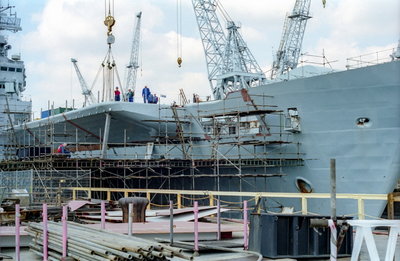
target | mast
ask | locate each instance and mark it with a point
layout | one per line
(9, 22)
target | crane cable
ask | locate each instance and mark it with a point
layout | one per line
(109, 9)
(179, 32)
(141, 56)
(222, 10)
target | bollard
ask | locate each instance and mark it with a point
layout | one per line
(218, 220)
(45, 234)
(171, 222)
(103, 215)
(139, 208)
(64, 231)
(196, 226)
(130, 210)
(245, 228)
(17, 233)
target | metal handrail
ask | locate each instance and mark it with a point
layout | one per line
(368, 59)
(257, 195)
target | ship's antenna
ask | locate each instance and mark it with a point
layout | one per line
(9, 21)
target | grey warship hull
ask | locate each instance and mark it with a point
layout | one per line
(277, 137)
(367, 155)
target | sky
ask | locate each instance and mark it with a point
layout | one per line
(54, 31)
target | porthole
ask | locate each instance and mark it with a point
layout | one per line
(363, 122)
(303, 185)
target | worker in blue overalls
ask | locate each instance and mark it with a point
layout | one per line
(145, 94)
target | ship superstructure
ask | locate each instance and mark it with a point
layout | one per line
(14, 110)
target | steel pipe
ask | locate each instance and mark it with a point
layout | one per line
(93, 244)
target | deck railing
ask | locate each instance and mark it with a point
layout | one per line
(212, 195)
(370, 59)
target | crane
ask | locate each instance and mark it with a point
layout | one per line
(240, 69)
(230, 64)
(212, 37)
(287, 56)
(89, 98)
(133, 62)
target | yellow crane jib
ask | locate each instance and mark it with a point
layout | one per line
(109, 22)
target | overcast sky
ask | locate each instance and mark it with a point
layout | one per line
(56, 30)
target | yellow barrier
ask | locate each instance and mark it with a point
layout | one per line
(255, 195)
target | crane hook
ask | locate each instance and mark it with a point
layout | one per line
(109, 21)
(324, 3)
(179, 61)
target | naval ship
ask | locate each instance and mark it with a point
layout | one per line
(277, 136)
(14, 109)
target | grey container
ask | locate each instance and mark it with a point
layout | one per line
(290, 236)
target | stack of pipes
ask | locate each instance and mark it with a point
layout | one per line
(92, 244)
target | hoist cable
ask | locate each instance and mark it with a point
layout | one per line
(222, 10)
(179, 31)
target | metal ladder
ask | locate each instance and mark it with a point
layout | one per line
(182, 96)
(179, 130)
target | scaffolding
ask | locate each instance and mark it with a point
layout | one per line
(233, 146)
(44, 186)
(12, 114)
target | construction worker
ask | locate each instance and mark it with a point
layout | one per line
(129, 95)
(196, 98)
(150, 98)
(62, 149)
(155, 99)
(145, 94)
(117, 94)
